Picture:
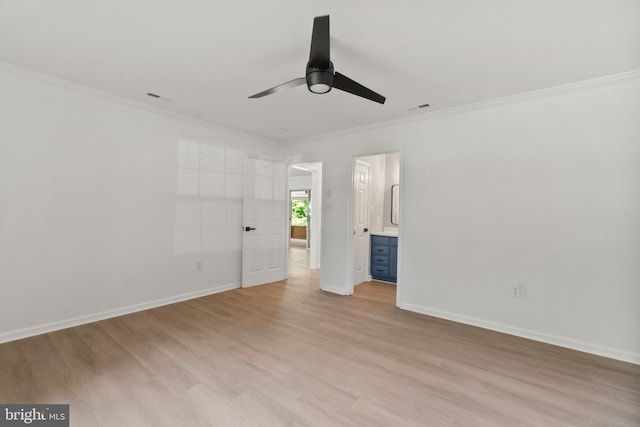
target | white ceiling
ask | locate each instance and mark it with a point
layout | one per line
(208, 56)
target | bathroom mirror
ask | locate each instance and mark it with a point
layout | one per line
(395, 205)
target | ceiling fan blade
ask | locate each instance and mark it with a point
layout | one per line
(342, 82)
(319, 57)
(293, 83)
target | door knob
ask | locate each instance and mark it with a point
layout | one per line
(366, 229)
(249, 228)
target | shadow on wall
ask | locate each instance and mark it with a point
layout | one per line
(209, 199)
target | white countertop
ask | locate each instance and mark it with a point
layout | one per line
(388, 233)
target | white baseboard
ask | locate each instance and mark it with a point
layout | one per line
(333, 289)
(599, 350)
(107, 314)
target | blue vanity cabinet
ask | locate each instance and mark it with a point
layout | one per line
(384, 258)
(393, 260)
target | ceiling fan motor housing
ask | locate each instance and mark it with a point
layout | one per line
(320, 80)
(321, 76)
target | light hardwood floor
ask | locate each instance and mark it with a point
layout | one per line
(289, 354)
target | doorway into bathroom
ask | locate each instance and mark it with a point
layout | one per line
(375, 223)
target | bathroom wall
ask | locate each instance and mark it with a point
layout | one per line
(391, 177)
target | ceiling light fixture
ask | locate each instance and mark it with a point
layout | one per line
(320, 81)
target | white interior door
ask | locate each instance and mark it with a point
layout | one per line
(264, 235)
(360, 222)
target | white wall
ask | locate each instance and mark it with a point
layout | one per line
(91, 224)
(542, 191)
(300, 182)
(316, 220)
(392, 177)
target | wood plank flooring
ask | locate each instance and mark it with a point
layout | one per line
(289, 354)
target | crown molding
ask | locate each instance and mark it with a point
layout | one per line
(594, 83)
(87, 90)
(603, 81)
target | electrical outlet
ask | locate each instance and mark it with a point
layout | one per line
(198, 266)
(516, 291)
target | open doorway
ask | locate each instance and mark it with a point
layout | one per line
(375, 219)
(305, 216)
(300, 215)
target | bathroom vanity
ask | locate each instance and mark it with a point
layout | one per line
(384, 256)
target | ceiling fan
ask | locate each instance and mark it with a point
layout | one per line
(320, 76)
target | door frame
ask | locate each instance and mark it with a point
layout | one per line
(350, 224)
(318, 195)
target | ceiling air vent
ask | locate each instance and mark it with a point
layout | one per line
(419, 107)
